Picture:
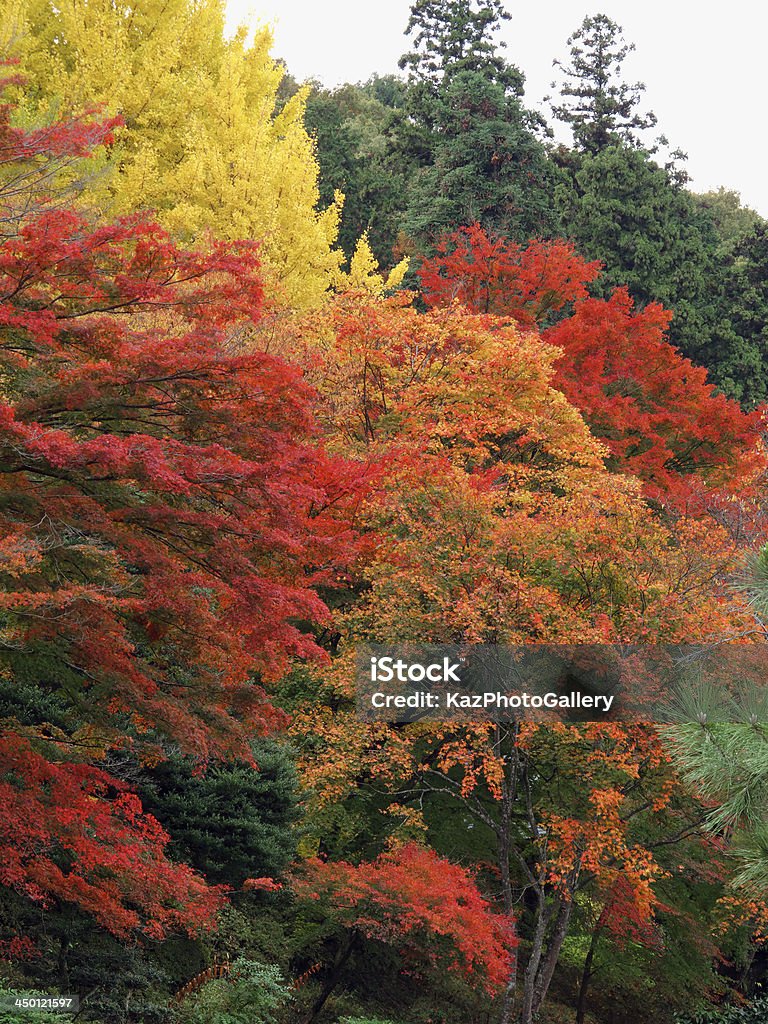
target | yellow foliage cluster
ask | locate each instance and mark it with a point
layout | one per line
(205, 142)
(364, 276)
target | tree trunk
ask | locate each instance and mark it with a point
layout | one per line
(333, 977)
(532, 969)
(547, 969)
(63, 965)
(544, 957)
(508, 797)
(586, 975)
(509, 909)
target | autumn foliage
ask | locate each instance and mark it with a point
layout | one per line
(164, 520)
(72, 833)
(500, 517)
(496, 518)
(660, 417)
(493, 275)
(208, 501)
(417, 901)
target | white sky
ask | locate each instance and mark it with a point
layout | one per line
(704, 65)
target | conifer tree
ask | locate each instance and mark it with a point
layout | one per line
(599, 106)
(720, 745)
(359, 132)
(739, 351)
(483, 160)
(622, 208)
(450, 38)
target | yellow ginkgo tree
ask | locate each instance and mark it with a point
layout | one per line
(206, 143)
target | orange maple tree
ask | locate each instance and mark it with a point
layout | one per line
(499, 517)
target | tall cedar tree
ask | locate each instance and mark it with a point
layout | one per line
(453, 37)
(164, 524)
(482, 159)
(600, 108)
(622, 207)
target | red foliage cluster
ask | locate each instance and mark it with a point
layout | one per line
(155, 486)
(18, 949)
(498, 276)
(629, 919)
(659, 417)
(657, 413)
(265, 884)
(413, 899)
(70, 832)
(166, 517)
(32, 161)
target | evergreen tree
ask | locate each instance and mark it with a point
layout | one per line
(600, 108)
(450, 38)
(733, 221)
(359, 131)
(482, 159)
(232, 821)
(721, 748)
(739, 350)
(488, 167)
(622, 208)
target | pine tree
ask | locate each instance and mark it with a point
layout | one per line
(720, 746)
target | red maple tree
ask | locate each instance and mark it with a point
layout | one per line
(167, 516)
(495, 275)
(427, 907)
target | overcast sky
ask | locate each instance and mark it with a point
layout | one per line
(705, 72)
